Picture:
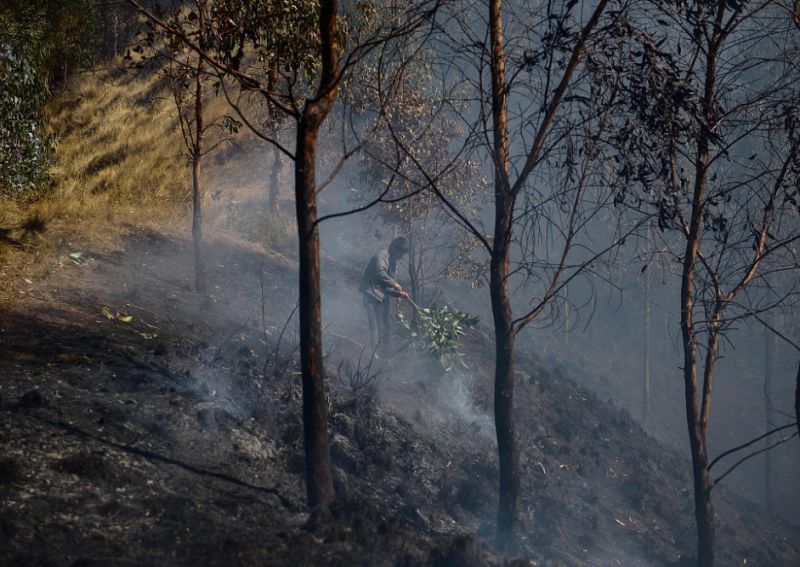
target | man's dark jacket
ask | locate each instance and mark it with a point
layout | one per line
(376, 280)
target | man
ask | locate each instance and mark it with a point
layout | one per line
(378, 285)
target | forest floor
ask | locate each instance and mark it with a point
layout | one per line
(161, 440)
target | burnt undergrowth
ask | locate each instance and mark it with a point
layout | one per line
(162, 440)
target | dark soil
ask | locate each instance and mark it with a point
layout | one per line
(161, 441)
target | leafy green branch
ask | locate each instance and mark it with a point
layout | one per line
(438, 332)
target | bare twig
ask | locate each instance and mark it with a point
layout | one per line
(746, 445)
(751, 455)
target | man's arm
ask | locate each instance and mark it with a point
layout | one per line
(382, 269)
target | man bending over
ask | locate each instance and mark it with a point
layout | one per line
(378, 285)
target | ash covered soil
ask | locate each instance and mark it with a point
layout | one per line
(161, 441)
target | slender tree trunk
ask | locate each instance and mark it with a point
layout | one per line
(197, 193)
(697, 417)
(416, 294)
(704, 516)
(704, 507)
(646, 362)
(319, 479)
(275, 177)
(197, 228)
(507, 451)
(414, 242)
(115, 29)
(414, 254)
(704, 511)
(797, 400)
(273, 191)
(769, 418)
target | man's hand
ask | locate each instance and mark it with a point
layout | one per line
(403, 293)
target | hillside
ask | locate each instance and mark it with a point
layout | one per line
(145, 424)
(158, 442)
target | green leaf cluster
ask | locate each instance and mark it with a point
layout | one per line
(25, 149)
(41, 43)
(438, 331)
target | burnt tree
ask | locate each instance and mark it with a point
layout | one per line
(716, 161)
(553, 78)
(303, 44)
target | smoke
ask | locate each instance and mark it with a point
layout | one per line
(453, 395)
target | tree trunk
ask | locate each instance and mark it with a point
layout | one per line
(696, 416)
(273, 191)
(386, 327)
(696, 420)
(646, 362)
(504, 333)
(275, 177)
(507, 451)
(197, 193)
(416, 259)
(769, 418)
(704, 515)
(414, 267)
(704, 510)
(197, 228)
(319, 480)
(797, 400)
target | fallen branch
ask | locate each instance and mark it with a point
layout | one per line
(152, 456)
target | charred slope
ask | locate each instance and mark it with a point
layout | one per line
(158, 441)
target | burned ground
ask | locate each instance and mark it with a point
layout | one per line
(160, 440)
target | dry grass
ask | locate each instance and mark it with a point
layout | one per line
(119, 155)
(121, 166)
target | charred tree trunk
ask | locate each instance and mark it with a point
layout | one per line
(704, 516)
(197, 155)
(275, 179)
(704, 510)
(416, 293)
(414, 257)
(769, 418)
(319, 479)
(697, 416)
(505, 336)
(646, 362)
(197, 228)
(273, 191)
(504, 332)
(797, 399)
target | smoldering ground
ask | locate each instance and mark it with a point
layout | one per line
(599, 336)
(191, 411)
(180, 428)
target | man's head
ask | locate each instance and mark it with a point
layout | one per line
(399, 247)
